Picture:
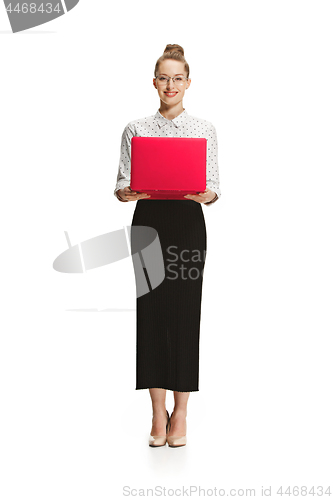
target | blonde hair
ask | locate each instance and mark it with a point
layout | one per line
(176, 52)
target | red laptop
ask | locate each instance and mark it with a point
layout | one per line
(168, 167)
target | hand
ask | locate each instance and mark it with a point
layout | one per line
(204, 197)
(127, 194)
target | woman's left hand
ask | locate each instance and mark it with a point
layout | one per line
(204, 197)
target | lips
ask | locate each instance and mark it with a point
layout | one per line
(171, 94)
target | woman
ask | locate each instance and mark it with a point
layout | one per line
(168, 317)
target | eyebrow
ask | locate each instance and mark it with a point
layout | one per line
(174, 75)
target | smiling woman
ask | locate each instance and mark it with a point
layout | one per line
(171, 80)
(168, 317)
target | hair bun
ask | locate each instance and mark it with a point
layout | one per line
(176, 53)
(173, 47)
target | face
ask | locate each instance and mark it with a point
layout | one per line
(170, 67)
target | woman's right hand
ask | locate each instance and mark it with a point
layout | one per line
(127, 194)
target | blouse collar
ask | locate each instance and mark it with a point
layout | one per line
(178, 121)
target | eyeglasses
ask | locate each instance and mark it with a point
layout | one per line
(162, 80)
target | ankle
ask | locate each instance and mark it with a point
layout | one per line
(159, 412)
(180, 412)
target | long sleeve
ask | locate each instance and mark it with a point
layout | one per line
(124, 169)
(212, 172)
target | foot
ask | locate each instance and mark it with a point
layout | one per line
(177, 423)
(159, 420)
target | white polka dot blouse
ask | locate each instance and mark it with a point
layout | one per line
(184, 125)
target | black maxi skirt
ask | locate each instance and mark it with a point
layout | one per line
(168, 317)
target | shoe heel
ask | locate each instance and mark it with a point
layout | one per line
(176, 441)
(156, 441)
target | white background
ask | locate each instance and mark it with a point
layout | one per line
(72, 424)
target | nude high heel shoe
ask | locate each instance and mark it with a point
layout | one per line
(175, 441)
(155, 441)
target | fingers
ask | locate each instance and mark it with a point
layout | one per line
(134, 195)
(199, 198)
(193, 196)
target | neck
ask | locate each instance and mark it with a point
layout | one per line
(171, 112)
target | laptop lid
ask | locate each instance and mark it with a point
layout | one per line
(163, 166)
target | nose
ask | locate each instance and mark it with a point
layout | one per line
(170, 84)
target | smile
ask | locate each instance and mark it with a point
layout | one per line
(171, 94)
